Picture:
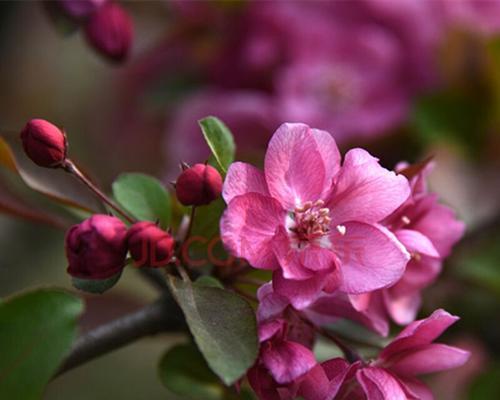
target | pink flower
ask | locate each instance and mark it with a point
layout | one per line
(392, 376)
(313, 221)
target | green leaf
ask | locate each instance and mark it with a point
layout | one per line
(36, 331)
(97, 286)
(220, 140)
(223, 325)
(184, 371)
(207, 280)
(144, 197)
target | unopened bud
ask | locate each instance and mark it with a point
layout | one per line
(198, 185)
(109, 30)
(44, 143)
(149, 245)
(96, 248)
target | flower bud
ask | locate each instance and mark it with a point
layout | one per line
(79, 9)
(198, 185)
(44, 143)
(109, 30)
(149, 245)
(96, 248)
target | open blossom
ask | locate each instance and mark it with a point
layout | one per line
(428, 230)
(392, 376)
(311, 220)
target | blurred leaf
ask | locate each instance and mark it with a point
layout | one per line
(55, 183)
(184, 371)
(36, 331)
(223, 325)
(456, 115)
(96, 286)
(207, 280)
(220, 140)
(144, 196)
(205, 237)
(487, 386)
(14, 205)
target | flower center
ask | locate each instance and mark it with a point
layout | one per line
(311, 220)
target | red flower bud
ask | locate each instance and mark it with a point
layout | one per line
(44, 143)
(96, 249)
(198, 185)
(109, 30)
(149, 245)
(80, 9)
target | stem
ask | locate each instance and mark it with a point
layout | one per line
(190, 226)
(349, 353)
(162, 316)
(71, 168)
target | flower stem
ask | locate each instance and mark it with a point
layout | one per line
(71, 168)
(349, 353)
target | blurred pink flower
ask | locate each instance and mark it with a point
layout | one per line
(313, 221)
(80, 9)
(392, 376)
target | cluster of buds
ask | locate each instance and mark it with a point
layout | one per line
(97, 248)
(106, 25)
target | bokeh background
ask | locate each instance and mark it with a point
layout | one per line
(404, 79)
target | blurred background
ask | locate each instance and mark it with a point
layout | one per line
(405, 79)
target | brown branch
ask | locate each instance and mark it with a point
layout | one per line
(162, 316)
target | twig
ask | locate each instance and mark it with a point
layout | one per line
(161, 316)
(71, 168)
(349, 353)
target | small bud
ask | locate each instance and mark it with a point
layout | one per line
(44, 143)
(149, 245)
(198, 185)
(109, 30)
(96, 248)
(79, 9)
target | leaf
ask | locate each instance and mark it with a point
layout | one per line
(220, 140)
(223, 325)
(55, 183)
(36, 331)
(184, 371)
(144, 197)
(97, 286)
(207, 280)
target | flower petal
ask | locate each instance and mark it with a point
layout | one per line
(300, 293)
(287, 361)
(415, 389)
(296, 164)
(370, 257)
(416, 242)
(324, 381)
(248, 226)
(419, 333)
(378, 384)
(429, 358)
(243, 178)
(402, 307)
(364, 191)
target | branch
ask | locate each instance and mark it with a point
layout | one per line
(162, 316)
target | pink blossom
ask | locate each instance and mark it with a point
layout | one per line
(392, 376)
(311, 220)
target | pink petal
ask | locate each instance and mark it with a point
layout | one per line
(300, 293)
(402, 308)
(419, 333)
(296, 164)
(415, 389)
(360, 302)
(269, 329)
(429, 358)
(324, 381)
(378, 384)
(287, 361)
(440, 225)
(243, 178)
(271, 304)
(289, 257)
(263, 384)
(248, 226)
(370, 257)
(416, 242)
(364, 191)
